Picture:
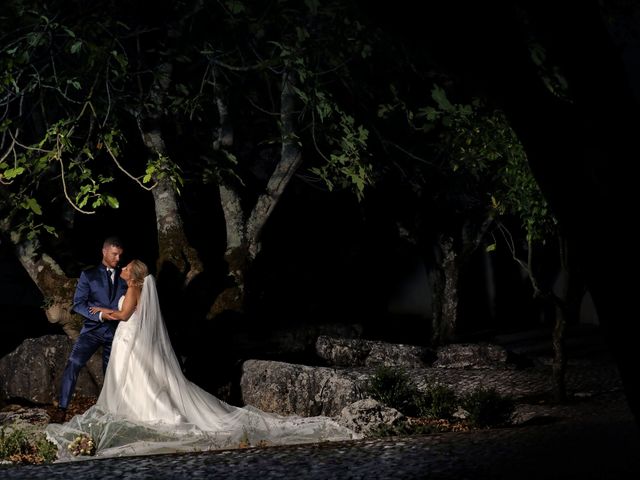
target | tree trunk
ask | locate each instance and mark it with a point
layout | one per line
(445, 295)
(57, 290)
(559, 356)
(451, 262)
(290, 160)
(562, 300)
(244, 233)
(173, 245)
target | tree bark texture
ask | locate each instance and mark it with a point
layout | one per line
(173, 245)
(445, 313)
(244, 232)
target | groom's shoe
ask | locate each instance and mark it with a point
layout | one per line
(59, 415)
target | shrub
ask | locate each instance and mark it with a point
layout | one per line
(15, 442)
(21, 446)
(393, 388)
(487, 407)
(437, 401)
(47, 450)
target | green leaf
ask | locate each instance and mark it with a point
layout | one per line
(50, 230)
(75, 48)
(13, 172)
(112, 201)
(440, 97)
(431, 113)
(235, 6)
(33, 205)
(230, 156)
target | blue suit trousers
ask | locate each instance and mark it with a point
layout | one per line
(86, 345)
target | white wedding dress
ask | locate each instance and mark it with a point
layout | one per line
(148, 406)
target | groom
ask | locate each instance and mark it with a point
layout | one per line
(98, 286)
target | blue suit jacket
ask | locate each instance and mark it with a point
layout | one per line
(93, 290)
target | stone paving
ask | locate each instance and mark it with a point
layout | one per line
(593, 437)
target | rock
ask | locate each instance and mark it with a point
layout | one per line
(290, 389)
(365, 416)
(32, 372)
(343, 352)
(18, 416)
(471, 355)
(350, 352)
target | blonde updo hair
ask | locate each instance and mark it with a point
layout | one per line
(138, 270)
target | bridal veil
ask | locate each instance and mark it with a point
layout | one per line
(148, 406)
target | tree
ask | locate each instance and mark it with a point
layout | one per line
(168, 79)
(55, 107)
(579, 147)
(289, 54)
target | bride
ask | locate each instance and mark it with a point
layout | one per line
(148, 406)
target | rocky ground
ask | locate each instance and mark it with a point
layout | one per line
(592, 436)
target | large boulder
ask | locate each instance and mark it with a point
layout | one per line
(354, 352)
(290, 389)
(33, 371)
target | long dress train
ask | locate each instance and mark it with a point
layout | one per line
(148, 406)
